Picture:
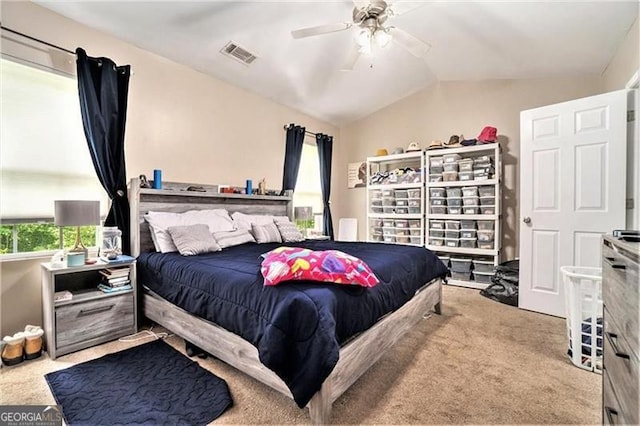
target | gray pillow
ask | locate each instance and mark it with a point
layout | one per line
(193, 239)
(289, 232)
(233, 238)
(266, 233)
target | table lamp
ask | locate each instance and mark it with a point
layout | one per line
(77, 213)
(303, 217)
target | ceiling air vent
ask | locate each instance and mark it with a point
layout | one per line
(238, 53)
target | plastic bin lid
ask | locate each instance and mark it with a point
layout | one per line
(482, 273)
(461, 259)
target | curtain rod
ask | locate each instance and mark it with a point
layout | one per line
(286, 127)
(37, 40)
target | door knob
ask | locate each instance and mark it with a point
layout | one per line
(527, 220)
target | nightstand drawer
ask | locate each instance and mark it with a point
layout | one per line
(83, 321)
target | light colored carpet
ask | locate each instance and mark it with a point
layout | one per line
(481, 362)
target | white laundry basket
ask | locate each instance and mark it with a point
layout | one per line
(583, 305)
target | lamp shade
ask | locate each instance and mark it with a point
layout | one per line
(77, 212)
(303, 213)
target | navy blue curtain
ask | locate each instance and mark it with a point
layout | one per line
(103, 89)
(292, 155)
(325, 148)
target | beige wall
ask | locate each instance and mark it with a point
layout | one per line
(454, 108)
(625, 62)
(192, 126)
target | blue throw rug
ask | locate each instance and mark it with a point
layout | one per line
(149, 384)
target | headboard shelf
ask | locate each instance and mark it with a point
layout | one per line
(185, 193)
(176, 199)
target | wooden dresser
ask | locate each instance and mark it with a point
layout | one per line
(621, 297)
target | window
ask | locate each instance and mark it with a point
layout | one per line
(308, 191)
(43, 157)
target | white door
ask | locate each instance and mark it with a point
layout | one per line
(572, 190)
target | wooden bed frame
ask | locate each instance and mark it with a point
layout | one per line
(356, 356)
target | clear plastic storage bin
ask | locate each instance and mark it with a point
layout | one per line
(436, 224)
(460, 264)
(470, 201)
(454, 201)
(414, 223)
(452, 224)
(468, 242)
(454, 210)
(437, 201)
(450, 158)
(402, 231)
(438, 233)
(436, 241)
(461, 276)
(487, 209)
(413, 193)
(402, 239)
(486, 224)
(435, 177)
(465, 176)
(452, 233)
(484, 235)
(401, 193)
(465, 165)
(402, 202)
(484, 266)
(583, 308)
(401, 223)
(468, 233)
(437, 192)
(488, 201)
(449, 176)
(470, 209)
(415, 239)
(468, 224)
(487, 191)
(469, 191)
(482, 277)
(454, 192)
(402, 210)
(389, 239)
(452, 242)
(451, 167)
(438, 209)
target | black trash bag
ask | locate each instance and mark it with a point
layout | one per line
(504, 283)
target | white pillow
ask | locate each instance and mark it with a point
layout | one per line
(217, 220)
(244, 221)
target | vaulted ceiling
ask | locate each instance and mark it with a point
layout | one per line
(469, 41)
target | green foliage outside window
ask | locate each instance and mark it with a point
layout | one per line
(43, 236)
(305, 224)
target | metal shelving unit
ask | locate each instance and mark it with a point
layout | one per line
(396, 205)
(486, 254)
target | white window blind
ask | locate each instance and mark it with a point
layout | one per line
(43, 155)
(308, 191)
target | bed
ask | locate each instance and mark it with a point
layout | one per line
(307, 341)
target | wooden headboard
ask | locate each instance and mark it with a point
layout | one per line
(175, 198)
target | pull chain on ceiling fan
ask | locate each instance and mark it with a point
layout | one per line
(370, 18)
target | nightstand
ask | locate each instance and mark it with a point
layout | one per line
(91, 316)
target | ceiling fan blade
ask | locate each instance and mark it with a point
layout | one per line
(351, 60)
(321, 29)
(414, 45)
(398, 8)
(361, 4)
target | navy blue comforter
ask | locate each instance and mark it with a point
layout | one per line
(297, 327)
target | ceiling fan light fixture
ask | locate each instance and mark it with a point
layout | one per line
(381, 38)
(363, 37)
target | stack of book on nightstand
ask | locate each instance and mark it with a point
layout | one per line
(115, 279)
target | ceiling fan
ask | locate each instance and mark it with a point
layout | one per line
(370, 20)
